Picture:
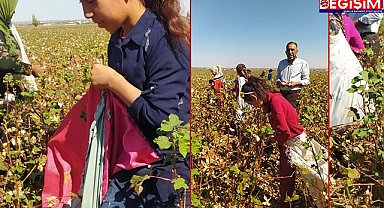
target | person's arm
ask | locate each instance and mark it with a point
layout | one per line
(367, 19)
(277, 80)
(305, 74)
(353, 35)
(282, 131)
(371, 18)
(11, 64)
(104, 77)
(168, 81)
(169, 74)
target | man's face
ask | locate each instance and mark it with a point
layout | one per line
(291, 52)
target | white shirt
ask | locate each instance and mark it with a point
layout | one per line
(240, 100)
(372, 19)
(298, 71)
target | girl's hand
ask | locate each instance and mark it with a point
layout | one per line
(101, 76)
(36, 70)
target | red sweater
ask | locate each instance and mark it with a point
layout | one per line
(283, 118)
(217, 85)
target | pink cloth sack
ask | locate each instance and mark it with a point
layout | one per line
(125, 148)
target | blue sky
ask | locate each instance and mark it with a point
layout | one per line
(56, 10)
(255, 33)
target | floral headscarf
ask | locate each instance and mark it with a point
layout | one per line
(336, 23)
(7, 9)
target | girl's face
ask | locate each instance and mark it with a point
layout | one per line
(254, 100)
(107, 14)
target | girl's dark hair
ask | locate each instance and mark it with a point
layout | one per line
(259, 86)
(176, 26)
(241, 69)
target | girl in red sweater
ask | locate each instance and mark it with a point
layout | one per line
(288, 134)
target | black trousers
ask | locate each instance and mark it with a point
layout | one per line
(293, 97)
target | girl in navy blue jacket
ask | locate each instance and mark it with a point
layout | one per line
(149, 69)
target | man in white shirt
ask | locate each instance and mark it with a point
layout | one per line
(292, 75)
(368, 25)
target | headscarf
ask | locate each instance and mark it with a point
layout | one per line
(216, 70)
(336, 23)
(7, 9)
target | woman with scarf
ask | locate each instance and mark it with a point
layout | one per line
(218, 84)
(13, 58)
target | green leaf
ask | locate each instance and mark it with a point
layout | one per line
(303, 170)
(19, 169)
(195, 200)
(356, 79)
(3, 166)
(267, 130)
(138, 179)
(35, 150)
(235, 169)
(8, 198)
(184, 142)
(295, 197)
(353, 89)
(255, 200)
(196, 144)
(364, 75)
(381, 153)
(194, 171)
(163, 142)
(174, 120)
(136, 182)
(168, 126)
(48, 121)
(362, 133)
(342, 169)
(179, 183)
(349, 182)
(27, 94)
(86, 80)
(38, 198)
(353, 173)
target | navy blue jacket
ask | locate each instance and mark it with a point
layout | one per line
(147, 61)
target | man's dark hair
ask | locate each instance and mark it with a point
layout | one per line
(291, 42)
